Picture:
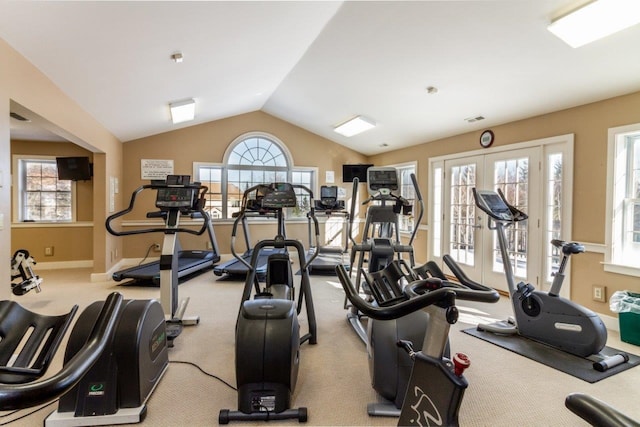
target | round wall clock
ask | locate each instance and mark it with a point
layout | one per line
(486, 139)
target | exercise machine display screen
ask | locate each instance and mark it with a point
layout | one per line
(328, 195)
(492, 203)
(280, 195)
(382, 178)
(175, 197)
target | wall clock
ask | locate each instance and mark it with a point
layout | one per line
(486, 139)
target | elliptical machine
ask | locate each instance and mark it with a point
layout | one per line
(22, 267)
(267, 331)
(430, 386)
(545, 317)
(381, 241)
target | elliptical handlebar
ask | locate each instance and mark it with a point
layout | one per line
(21, 396)
(443, 296)
(198, 205)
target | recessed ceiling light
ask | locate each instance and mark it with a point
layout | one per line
(432, 90)
(355, 126)
(177, 57)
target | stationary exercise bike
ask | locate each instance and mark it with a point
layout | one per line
(267, 330)
(115, 356)
(22, 267)
(545, 317)
(429, 390)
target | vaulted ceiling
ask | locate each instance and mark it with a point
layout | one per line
(316, 64)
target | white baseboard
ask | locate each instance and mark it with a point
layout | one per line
(610, 322)
(60, 265)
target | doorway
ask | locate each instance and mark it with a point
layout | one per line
(534, 176)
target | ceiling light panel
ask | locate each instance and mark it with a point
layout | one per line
(355, 126)
(596, 20)
(183, 111)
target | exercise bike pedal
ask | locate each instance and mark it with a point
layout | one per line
(173, 329)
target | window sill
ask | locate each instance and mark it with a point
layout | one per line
(621, 269)
(51, 224)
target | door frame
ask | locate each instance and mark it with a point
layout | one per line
(560, 143)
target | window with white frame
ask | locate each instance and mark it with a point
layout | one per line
(623, 200)
(40, 196)
(408, 192)
(254, 158)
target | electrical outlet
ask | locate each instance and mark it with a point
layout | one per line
(599, 293)
(48, 251)
(156, 247)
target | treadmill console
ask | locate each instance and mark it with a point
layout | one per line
(279, 195)
(329, 199)
(382, 180)
(176, 197)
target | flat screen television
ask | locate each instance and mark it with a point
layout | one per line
(352, 171)
(74, 168)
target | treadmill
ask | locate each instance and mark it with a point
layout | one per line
(329, 257)
(190, 262)
(251, 207)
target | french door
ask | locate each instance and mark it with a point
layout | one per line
(536, 178)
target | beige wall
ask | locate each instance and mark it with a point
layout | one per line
(25, 85)
(590, 124)
(207, 143)
(70, 243)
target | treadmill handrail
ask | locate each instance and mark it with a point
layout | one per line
(21, 396)
(200, 209)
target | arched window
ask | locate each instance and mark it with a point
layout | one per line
(252, 158)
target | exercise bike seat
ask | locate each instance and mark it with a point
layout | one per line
(28, 341)
(568, 248)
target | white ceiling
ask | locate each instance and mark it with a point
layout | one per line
(316, 64)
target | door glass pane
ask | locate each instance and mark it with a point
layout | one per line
(511, 176)
(553, 214)
(462, 242)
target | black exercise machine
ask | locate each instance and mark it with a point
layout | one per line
(251, 207)
(381, 242)
(190, 262)
(328, 256)
(426, 384)
(596, 412)
(176, 197)
(268, 335)
(115, 356)
(545, 317)
(22, 268)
